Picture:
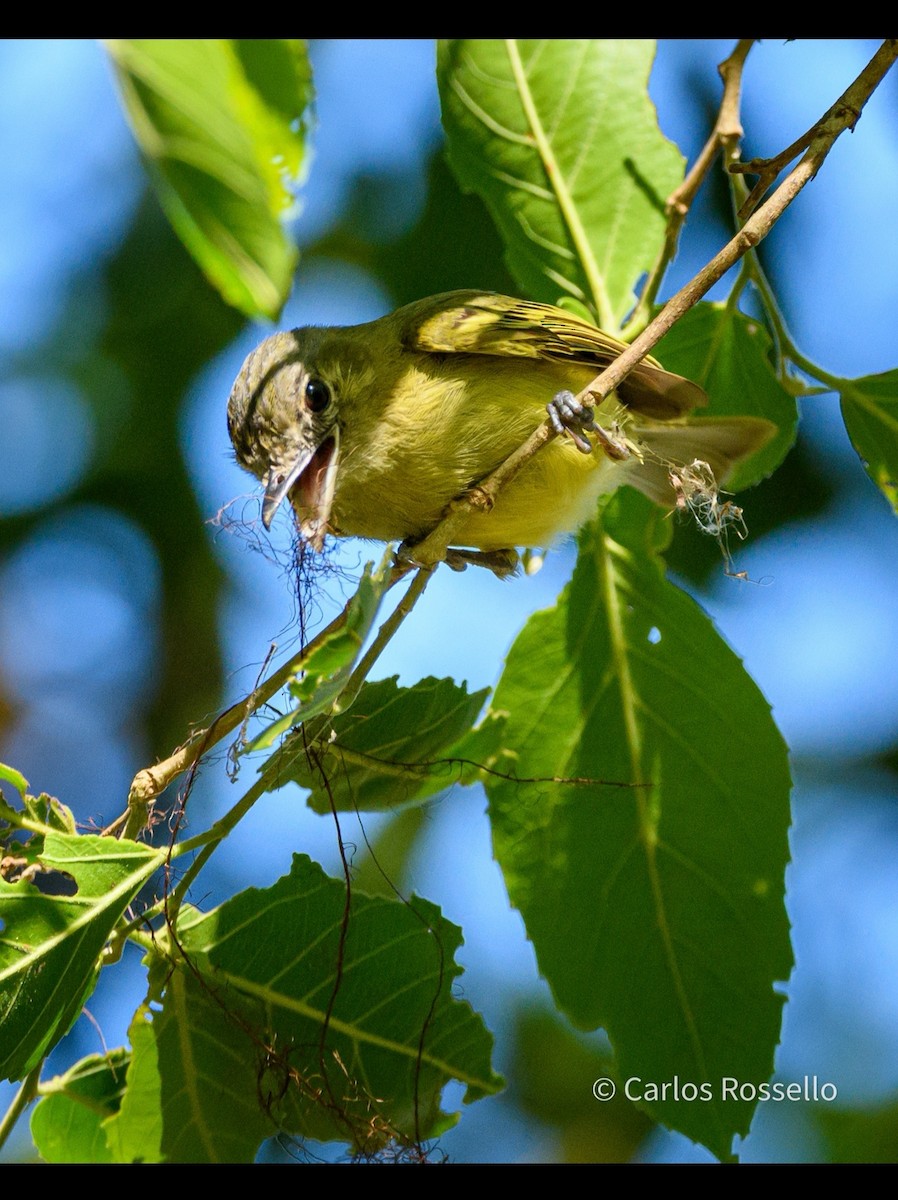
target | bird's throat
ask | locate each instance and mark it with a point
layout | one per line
(313, 493)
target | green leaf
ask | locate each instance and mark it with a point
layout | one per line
(50, 945)
(37, 816)
(870, 412)
(363, 1031)
(210, 1071)
(220, 122)
(11, 775)
(326, 671)
(561, 141)
(67, 1125)
(134, 1131)
(729, 354)
(393, 745)
(655, 908)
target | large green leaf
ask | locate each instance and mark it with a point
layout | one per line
(655, 908)
(362, 1031)
(729, 354)
(392, 746)
(220, 122)
(50, 945)
(561, 141)
(870, 412)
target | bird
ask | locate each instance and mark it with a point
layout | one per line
(371, 430)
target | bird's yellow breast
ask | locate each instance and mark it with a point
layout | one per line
(447, 423)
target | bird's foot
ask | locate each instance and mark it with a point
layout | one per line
(614, 443)
(502, 563)
(569, 415)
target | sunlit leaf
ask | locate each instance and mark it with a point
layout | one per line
(656, 907)
(67, 1125)
(16, 778)
(220, 123)
(559, 138)
(134, 1131)
(49, 945)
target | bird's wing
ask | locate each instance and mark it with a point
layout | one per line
(470, 322)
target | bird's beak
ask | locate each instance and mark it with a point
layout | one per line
(314, 474)
(280, 482)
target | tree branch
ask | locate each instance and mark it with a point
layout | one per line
(726, 135)
(842, 115)
(152, 781)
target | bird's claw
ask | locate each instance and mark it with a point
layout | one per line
(568, 415)
(502, 563)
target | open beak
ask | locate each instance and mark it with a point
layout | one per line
(309, 482)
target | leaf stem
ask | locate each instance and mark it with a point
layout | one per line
(384, 635)
(212, 839)
(23, 1097)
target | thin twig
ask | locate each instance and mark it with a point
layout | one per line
(841, 116)
(152, 781)
(846, 110)
(23, 1097)
(726, 135)
(383, 636)
(481, 498)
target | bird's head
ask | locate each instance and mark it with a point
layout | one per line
(282, 418)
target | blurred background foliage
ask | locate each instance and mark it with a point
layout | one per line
(127, 614)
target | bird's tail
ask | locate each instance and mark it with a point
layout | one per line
(719, 442)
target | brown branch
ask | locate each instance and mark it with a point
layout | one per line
(841, 116)
(845, 112)
(727, 129)
(432, 549)
(152, 781)
(726, 135)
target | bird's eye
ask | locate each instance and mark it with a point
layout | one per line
(318, 395)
